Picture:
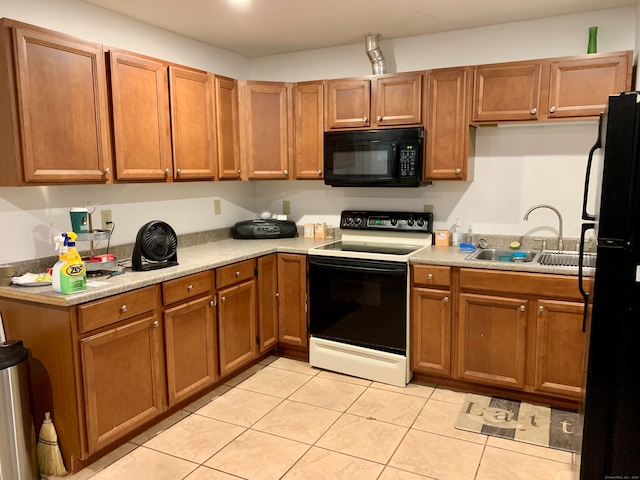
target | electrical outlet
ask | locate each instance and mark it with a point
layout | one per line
(105, 216)
(286, 207)
(217, 208)
(427, 208)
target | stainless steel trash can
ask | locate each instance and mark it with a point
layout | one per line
(17, 447)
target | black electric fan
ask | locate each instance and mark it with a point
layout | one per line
(156, 247)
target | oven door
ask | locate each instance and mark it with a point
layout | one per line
(359, 302)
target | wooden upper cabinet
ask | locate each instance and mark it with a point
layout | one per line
(264, 129)
(553, 88)
(141, 125)
(507, 92)
(227, 128)
(348, 103)
(398, 99)
(391, 100)
(450, 140)
(581, 86)
(308, 130)
(53, 101)
(192, 109)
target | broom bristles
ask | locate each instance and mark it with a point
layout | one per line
(49, 456)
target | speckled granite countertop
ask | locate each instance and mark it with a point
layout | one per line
(208, 255)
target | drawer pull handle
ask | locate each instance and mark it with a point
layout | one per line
(522, 308)
(123, 308)
(237, 274)
(190, 287)
(156, 324)
(445, 299)
(430, 276)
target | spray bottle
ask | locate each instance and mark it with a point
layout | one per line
(69, 273)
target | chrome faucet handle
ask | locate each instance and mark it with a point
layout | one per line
(543, 246)
(482, 243)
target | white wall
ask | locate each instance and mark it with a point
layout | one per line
(514, 167)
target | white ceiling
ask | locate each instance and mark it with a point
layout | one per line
(254, 28)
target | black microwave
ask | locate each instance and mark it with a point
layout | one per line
(374, 158)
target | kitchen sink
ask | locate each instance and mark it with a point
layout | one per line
(566, 258)
(501, 255)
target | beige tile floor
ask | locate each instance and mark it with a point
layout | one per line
(283, 419)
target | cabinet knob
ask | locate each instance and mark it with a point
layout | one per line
(430, 276)
(237, 274)
(445, 299)
(179, 171)
(167, 172)
(522, 308)
(365, 119)
(534, 110)
(277, 294)
(319, 172)
(223, 299)
(212, 303)
(541, 308)
(190, 287)
(107, 171)
(286, 172)
(458, 171)
(552, 109)
(239, 171)
(378, 118)
(156, 324)
(123, 308)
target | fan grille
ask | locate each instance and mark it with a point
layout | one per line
(159, 241)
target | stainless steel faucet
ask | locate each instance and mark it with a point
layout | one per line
(526, 217)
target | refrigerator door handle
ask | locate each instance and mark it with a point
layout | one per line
(585, 228)
(596, 146)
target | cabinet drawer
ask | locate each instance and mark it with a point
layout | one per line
(186, 287)
(235, 273)
(430, 275)
(120, 307)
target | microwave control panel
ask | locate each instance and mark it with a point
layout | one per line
(408, 161)
(389, 221)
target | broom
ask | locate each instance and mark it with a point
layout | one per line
(49, 456)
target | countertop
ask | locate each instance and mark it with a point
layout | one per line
(194, 259)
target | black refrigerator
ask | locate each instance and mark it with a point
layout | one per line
(610, 410)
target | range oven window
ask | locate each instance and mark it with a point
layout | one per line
(359, 302)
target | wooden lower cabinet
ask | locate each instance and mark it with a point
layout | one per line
(268, 302)
(492, 338)
(560, 348)
(292, 299)
(237, 325)
(431, 331)
(123, 377)
(191, 347)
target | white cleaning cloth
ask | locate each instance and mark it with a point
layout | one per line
(30, 278)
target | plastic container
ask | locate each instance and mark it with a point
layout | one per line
(69, 273)
(17, 447)
(519, 256)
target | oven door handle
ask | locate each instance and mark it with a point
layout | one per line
(383, 268)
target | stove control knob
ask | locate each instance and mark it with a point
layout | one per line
(358, 221)
(421, 222)
(394, 221)
(348, 221)
(410, 222)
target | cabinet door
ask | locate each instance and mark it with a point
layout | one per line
(448, 132)
(492, 340)
(268, 302)
(192, 128)
(265, 129)
(140, 93)
(309, 132)
(191, 347)
(399, 100)
(348, 103)
(292, 289)
(237, 326)
(431, 331)
(506, 92)
(62, 110)
(560, 348)
(581, 87)
(227, 128)
(123, 379)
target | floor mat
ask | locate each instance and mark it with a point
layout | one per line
(519, 421)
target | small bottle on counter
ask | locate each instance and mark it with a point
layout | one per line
(456, 233)
(468, 237)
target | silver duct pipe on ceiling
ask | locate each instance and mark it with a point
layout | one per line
(375, 55)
